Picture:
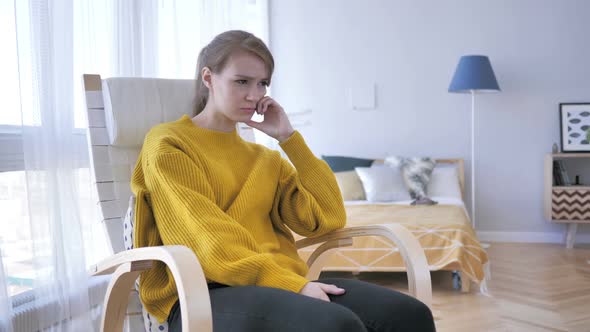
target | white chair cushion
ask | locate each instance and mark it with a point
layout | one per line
(134, 105)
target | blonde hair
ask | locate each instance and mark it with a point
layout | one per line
(217, 52)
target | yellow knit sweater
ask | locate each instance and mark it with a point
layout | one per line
(234, 203)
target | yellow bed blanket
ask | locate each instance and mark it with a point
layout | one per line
(444, 231)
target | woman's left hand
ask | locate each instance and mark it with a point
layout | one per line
(276, 124)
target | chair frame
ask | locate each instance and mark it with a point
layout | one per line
(125, 266)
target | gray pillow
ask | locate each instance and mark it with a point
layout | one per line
(343, 164)
(416, 172)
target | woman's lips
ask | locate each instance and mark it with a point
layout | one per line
(248, 109)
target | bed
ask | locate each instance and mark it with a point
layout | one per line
(444, 230)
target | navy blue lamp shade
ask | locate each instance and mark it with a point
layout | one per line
(474, 72)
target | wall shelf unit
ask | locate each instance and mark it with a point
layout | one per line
(568, 204)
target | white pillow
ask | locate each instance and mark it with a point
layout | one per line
(382, 184)
(444, 182)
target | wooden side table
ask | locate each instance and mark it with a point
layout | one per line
(566, 204)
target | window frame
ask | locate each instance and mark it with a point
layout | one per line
(11, 147)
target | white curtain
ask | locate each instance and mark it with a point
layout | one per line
(58, 41)
(52, 162)
(5, 303)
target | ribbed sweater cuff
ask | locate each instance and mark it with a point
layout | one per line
(298, 152)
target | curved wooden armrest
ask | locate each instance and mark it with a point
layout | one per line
(419, 283)
(191, 284)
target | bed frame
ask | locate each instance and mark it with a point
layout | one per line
(465, 283)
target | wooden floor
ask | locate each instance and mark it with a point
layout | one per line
(533, 287)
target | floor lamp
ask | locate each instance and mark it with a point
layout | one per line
(474, 74)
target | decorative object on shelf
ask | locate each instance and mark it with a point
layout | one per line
(555, 148)
(575, 127)
(474, 74)
(560, 175)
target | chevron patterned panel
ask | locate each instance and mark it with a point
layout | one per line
(571, 204)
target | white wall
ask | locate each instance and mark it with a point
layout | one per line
(538, 48)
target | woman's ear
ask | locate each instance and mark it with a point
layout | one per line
(206, 77)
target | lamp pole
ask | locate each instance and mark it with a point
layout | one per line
(473, 158)
(474, 73)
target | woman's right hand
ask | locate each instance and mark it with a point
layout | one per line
(320, 290)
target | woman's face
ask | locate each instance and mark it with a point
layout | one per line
(239, 86)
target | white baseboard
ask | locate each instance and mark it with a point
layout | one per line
(537, 237)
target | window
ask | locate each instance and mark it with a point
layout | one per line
(15, 234)
(101, 34)
(10, 114)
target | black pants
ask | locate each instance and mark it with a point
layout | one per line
(364, 307)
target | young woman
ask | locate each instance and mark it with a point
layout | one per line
(235, 204)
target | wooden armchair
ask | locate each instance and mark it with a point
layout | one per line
(120, 112)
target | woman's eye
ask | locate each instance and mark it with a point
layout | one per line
(241, 82)
(265, 83)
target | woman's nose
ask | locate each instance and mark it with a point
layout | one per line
(253, 95)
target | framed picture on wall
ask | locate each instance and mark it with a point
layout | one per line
(575, 127)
